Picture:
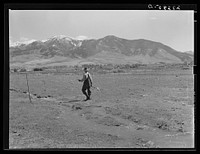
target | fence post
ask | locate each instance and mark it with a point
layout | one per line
(28, 88)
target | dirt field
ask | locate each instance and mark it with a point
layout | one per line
(141, 109)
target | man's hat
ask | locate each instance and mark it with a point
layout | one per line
(85, 69)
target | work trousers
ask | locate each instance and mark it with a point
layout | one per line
(86, 90)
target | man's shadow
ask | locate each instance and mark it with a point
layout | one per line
(75, 100)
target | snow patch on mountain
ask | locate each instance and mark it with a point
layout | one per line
(18, 43)
(56, 37)
(73, 43)
(59, 37)
(44, 40)
(79, 44)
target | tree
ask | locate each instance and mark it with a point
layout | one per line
(37, 69)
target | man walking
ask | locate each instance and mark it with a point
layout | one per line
(87, 83)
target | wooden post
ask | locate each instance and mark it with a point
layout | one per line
(28, 88)
(44, 86)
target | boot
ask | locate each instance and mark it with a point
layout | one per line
(88, 98)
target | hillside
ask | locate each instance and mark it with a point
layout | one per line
(63, 50)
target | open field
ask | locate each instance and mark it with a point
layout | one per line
(138, 109)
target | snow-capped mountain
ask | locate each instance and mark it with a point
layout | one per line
(18, 43)
(110, 49)
(57, 37)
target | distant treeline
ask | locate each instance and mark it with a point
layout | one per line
(115, 68)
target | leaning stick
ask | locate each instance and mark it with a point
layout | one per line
(28, 88)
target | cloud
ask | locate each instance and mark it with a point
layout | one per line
(11, 42)
(81, 37)
(23, 39)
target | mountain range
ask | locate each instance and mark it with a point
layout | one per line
(63, 50)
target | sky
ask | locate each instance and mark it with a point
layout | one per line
(174, 28)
